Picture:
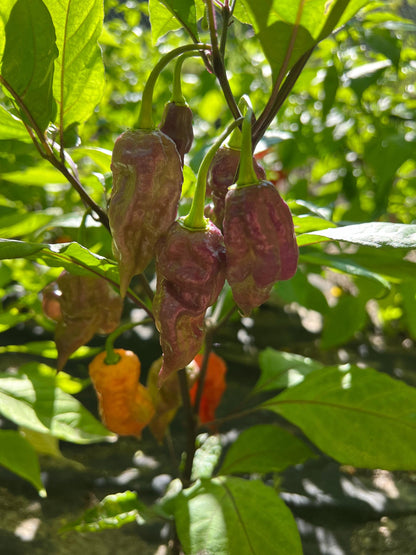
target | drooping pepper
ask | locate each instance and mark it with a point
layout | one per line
(222, 174)
(190, 275)
(82, 306)
(125, 405)
(177, 116)
(147, 181)
(258, 233)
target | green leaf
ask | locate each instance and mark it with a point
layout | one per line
(280, 370)
(28, 61)
(18, 455)
(287, 30)
(47, 349)
(36, 402)
(169, 15)
(343, 320)
(71, 256)
(38, 175)
(79, 77)
(408, 291)
(232, 516)
(112, 512)
(10, 319)
(206, 456)
(21, 224)
(262, 449)
(374, 234)
(356, 415)
(12, 127)
(299, 290)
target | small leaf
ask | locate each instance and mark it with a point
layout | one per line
(356, 415)
(12, 127)
(73, 257)
(206, 456)
(280, 370)
(343, 320)
(263, 449)
(112, 512)
(28, 61)
(232, 516)
(18, 455)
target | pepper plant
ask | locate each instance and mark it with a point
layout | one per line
(193, 231)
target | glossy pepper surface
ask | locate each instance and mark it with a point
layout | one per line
(125, 405)
(147, 181)
(190, 268)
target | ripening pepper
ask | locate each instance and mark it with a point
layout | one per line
(82, 306)
(214, 387)
(258, 234)
(177, 124)
(190, 269)
(125, 405)
(221, 175)
(147, 181)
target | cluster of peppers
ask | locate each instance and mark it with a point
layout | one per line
(250, 242)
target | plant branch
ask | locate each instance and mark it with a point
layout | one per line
(218, 62)
(272, 108)
(191, 427)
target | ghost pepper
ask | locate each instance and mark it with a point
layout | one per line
(258, 233)
(190, 270)
(125, 405)
(147, 181)
(222, 174)
(82, 306)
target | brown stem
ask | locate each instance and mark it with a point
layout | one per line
(218, 62)
(191, 427)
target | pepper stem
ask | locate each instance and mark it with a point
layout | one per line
(145, 117)
(246, 173)
(177, 96)
(112, 357)
(195, 219)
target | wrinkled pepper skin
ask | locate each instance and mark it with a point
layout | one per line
(177, 124)
(147, 181)
(260, 243)
(125, 405)
(82, 307)
(190, 269)
(221, 175)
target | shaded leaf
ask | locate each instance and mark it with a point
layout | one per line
(263, 449)
(356, 415)
(343, 320)
(169, 15)
(280, 370)
(112, 512)
(18, 455)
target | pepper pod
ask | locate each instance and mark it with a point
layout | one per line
(190, 269)
(258, 233)
(82, 306)
(147, 182)
(177, 124)
(223, 171)
(125, 405)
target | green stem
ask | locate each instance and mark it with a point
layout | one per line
(177, 96)
(145, 117)
(112, 357)
(246, 173)
(195, 219)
